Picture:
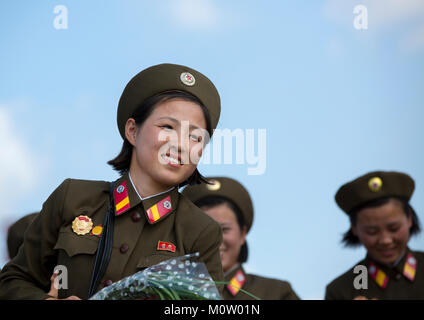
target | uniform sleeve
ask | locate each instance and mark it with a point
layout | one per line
(207, 244)
(330, 294)
(338, 290)
(27, 275)
(288, 293)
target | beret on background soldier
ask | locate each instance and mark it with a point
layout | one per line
(373, 186)
(372, 189)
(382, 220)
(217, 192)
(104, 231)
(225, 188)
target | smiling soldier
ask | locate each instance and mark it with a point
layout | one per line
(382, 220)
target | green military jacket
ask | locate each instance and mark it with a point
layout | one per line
(398, 282)
(139, 241)
(261, 287)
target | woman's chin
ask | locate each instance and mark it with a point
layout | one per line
(171, 179)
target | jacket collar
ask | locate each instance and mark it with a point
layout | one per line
(381, 274)
(156, 207)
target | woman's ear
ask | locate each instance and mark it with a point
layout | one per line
(243, 234)
(131, 131)
(410, 219)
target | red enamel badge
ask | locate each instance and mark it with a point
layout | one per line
(167, 246)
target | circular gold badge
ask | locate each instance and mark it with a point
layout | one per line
(97, 230)
(375, 184)
(82, 225)
(214, 186)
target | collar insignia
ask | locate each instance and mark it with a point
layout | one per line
(236, 283)
(378, 275)
(122, 201)
(410, 267)
(159, 210)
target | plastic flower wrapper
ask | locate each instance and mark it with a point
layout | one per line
(174, 279)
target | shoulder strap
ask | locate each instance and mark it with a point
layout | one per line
(104, 250)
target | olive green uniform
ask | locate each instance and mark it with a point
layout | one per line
(393, 283)
(51, 239)
(261, 287)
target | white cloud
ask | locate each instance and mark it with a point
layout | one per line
(18, 174)
(193, 15)
(384, 16)
(18, 171)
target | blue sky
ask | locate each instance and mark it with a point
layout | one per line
(336, 102)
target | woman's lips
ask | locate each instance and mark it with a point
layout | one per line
(173, 162)
(387, 253)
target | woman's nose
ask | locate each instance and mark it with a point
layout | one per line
(385, 239)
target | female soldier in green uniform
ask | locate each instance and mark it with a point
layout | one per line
(382, 220)
(229, 203)
(102, 232)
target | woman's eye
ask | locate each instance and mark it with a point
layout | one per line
(195, 138)
(371, 232)
(166, 126)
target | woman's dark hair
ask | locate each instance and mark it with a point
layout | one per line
(350, 240)
(122, 161)
(213, 201)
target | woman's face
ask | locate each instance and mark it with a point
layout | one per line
(233, 237)
(384, 231)
(165, 142)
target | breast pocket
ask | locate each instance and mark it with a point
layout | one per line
(151, 260)
(74, 244)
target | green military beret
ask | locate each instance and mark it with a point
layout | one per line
(372, 186)
(167, 77)
(226, 188)
(15, 234)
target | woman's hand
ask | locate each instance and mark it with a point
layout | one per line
(53, 290)
(363, 298)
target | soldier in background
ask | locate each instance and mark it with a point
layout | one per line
(229, 203)
(382, 220)
(15, 233)
(15, 238)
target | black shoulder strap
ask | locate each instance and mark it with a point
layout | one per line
(104, 250)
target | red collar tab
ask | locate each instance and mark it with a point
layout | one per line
(410, 267)
(122, 201)
(159, 210)
(236, 283)
(378, 275)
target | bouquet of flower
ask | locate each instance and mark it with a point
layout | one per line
(174, 279)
